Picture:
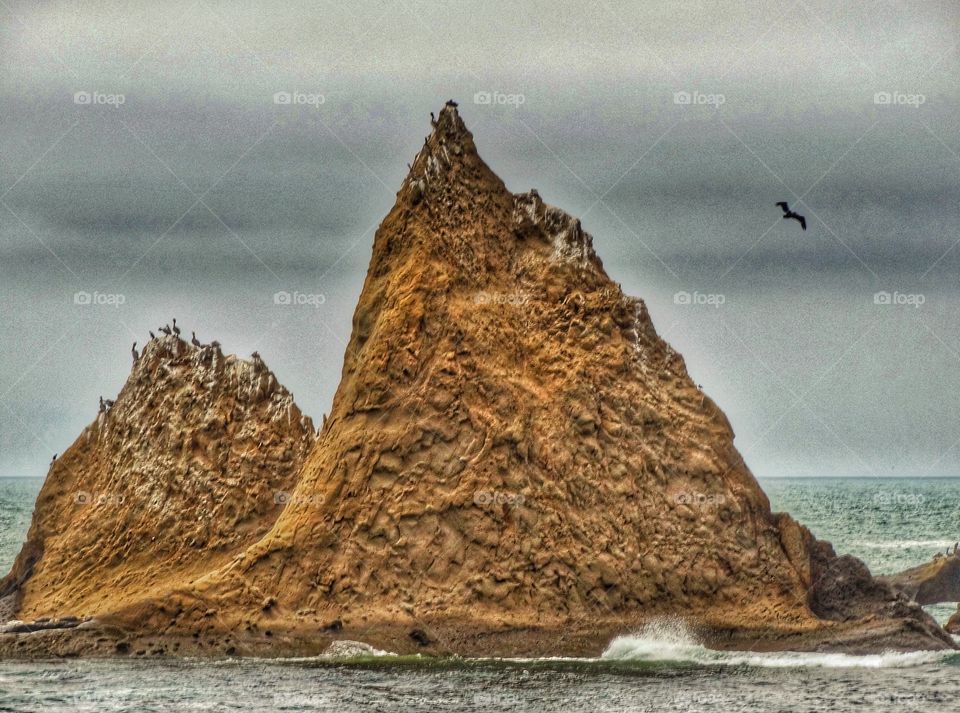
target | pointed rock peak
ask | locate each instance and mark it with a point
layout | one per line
(448, 123)
(448, 157)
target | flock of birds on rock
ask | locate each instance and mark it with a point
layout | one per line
(168, 330)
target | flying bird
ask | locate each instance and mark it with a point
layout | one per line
(787, 213)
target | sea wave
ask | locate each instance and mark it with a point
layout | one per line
(672, 641)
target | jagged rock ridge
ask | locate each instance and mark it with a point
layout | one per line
(177, 476)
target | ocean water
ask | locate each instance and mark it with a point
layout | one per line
(889, 523)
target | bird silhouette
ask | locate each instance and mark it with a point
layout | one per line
(787, 213)
(194, 341)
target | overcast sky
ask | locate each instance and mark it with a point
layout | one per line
(183, 189)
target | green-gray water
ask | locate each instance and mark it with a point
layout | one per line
(890, 524)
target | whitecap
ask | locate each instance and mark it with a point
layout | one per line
(672, 641)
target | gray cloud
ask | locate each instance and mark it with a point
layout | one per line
(687, 193)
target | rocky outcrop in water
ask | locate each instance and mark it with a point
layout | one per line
(515, 463)
(933, 582)
(189, 466)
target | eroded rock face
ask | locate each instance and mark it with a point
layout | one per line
(179, 475)
(515, 464)
(513, 445)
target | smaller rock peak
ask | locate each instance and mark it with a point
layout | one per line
(448, 127)
(445, 153)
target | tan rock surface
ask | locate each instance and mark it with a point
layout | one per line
(515, 463)
(177, 477)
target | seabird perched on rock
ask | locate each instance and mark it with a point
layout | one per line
(215, 344)
(109, 404)
(194, 341)
(452, 103)
(152, 335)
(135, 353)
(176, 329)
(103, 406)
(166, 329)
(54, 459)
(433, 120)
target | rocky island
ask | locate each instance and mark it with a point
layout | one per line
(515, 463)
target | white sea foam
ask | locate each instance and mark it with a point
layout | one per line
(671, 641)
(346, 649)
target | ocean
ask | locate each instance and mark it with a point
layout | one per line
(889, 523)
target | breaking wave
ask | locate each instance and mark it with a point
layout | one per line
(671, 641)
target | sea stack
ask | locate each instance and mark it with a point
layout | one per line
(515, 463)
(183, 472)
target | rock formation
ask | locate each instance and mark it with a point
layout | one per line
(515, 463)
(181, 473)
(934, 582)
